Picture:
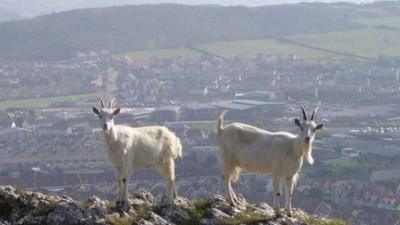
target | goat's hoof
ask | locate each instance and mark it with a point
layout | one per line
(278, 214)
(166, 202)
(289, 212)
(231, 201)
(123, 206)
(169, 202)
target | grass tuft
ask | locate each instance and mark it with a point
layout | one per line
(121, 221)
(318, 221)
(246, 218)
(44, 209)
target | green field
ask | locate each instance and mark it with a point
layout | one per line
(43, 102)
(343, 163)
(145, 55)
(393, 22)
(253, 47)
(368, 42)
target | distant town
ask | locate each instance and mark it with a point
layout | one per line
(58, 147)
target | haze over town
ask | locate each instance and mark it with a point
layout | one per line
(180, 66)
(29, 8)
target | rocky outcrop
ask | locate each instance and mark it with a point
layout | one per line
(31, 208)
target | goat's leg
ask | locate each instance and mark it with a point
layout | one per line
(172, 171)
(277, 195)
(289, 194)
(127, 172)
(228, 191)
(232, 192)
(167, 171)
(228, 187)
(118, 177)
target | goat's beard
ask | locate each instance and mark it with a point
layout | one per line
(110, 132)
(308, 155)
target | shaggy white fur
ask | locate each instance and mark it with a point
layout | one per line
(245, 147)
(130, 149)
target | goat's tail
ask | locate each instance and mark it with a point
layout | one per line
(220, 124)
(178, 147)
(235, 174)
(295, 179)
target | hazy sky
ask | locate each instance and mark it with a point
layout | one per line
(29, 8)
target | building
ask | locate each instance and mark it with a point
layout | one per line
(199, 111)
(14, 133)
(165, 113)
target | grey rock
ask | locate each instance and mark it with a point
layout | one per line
(218, 214)
(20, 207)
(157, 220)
(65, 213)
(175, 213)
(144, 222)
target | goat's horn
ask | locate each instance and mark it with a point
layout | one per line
(101, 102)
(314, 113)
(111, 103)
(304, 112)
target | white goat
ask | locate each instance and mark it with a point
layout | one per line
(130, 149)
(244, 147)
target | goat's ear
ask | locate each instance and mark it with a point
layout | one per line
(95, 110)
(297, 122)
(319, 126)
(116, 111)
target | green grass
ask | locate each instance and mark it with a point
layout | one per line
(348, 163)
(44, 102)
(367, 42)
(374, 11)
(142, 213)
(393, 22)
(44, 209)
(201, 209)
(251, 48)
(318, 221)
(114, 220)
(146, 55)
(247, 218)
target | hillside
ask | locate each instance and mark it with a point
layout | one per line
(24, 207)
(6, 15)
(130, 28)
(38, 7)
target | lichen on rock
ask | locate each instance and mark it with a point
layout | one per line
(33, 208)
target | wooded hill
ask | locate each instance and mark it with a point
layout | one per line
(129, 28)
